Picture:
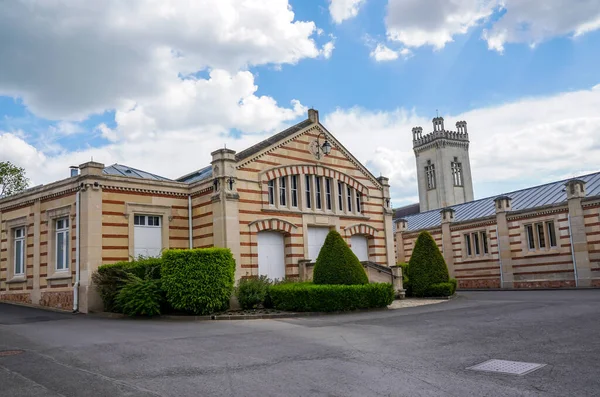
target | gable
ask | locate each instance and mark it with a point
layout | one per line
(297, 148)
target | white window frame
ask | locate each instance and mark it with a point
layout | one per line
(328, 201)
(271, 191)
(308, 192)
(349, 192)
(21, 252)
(318, 193)
(283, 191)
(64, 230)
(358, 202)
(294, 190)
(341, 196)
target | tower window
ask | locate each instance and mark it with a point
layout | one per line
(457, 175)
(430, 175)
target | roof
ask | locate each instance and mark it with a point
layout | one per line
(272, 140)
(123, 170)
(407, 210)
(533, 197)
(196, 176)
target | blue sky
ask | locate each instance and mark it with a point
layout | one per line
(93, 81)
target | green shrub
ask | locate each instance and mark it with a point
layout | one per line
(439, 290)
(309, 297)
(426, 266)
(454, 285)
(140, 297)
(337, 264)
(198, 281)
(109, 279)
(405, 279)
(253, 292)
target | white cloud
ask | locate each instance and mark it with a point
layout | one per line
(86, 57)
(327, 49)
(526, 142)
(525, 21)
(417, 23)
(382, 53)
(341, 10)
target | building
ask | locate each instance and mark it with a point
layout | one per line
(543, 236)
(271, 204)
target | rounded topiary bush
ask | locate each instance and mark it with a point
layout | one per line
(337, 264)
(426, 266)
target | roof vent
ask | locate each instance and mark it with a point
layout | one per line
(128, 171)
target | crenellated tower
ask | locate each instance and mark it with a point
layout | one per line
(443, 166)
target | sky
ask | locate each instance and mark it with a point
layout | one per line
(159, 84)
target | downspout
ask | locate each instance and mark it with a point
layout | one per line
(499, 258)
(77, 281)
(190, 221)
(573, 251)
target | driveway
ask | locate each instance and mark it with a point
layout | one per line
(419, 351)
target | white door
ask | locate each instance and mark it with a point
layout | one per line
(360, 247)
(271, 255)
(316, 238)
(147, 235)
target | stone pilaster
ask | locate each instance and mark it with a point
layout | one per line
(581, 259)
(447, 215)
(387, 221)
(401, 226)
(90, 235)
(35, 293)
(225, 198)
(503, 206)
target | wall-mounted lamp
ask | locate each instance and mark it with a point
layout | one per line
(318, 148)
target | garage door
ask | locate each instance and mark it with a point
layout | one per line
(271, 255)
(316, 238)
(147, 237)
(360, 247)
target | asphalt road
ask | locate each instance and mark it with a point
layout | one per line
(421, 351)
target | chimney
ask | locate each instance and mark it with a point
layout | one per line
(438, 124)
(503, 204)
(313, 115)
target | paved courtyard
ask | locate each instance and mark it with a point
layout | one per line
(415, 351)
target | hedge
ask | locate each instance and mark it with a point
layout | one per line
(309, 297)
(337, 264)
(141, 297)
(253, 292)
(198, 281)
(110, 279)
(426, 266)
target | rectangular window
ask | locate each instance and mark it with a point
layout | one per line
(484, 243)
(476, 244)
(153, 220)
(349, 198)
(468, 244)
(271, 189)
(19, 254)
(430, 176)
(62, 244)
(530, 237)
(551, 233)
(340, 196)
(294, 181)
(318, 191)
(139, 220)
(307, 178)
(358, 208)
(457, 176)
(540, 235)
(282, 191)
(328, 193)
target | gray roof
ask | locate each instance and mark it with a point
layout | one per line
(272, 140)
(533, 197)
(196, 176)
(407, 210)
(123, 170)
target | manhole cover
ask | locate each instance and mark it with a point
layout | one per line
(4, 353)
(507, 367)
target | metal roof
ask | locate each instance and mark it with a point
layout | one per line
(123, 170)
(196, 176)
(538, 196)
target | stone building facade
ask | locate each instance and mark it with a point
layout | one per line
(540, 237)
(271, 204)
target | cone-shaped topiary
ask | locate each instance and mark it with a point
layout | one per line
(426, 266)
(337, 264)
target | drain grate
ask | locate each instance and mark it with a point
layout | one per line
(5, 353)
(507, 367)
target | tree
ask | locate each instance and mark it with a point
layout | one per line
(12, 179)
(337, 264)
(426, 266)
